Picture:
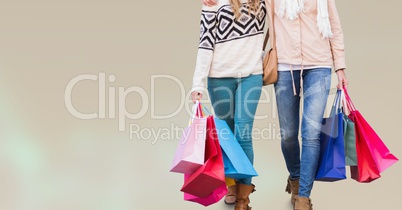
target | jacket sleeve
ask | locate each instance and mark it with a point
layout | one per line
(337, 43)
(206, 47)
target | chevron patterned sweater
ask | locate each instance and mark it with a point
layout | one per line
(229, 47)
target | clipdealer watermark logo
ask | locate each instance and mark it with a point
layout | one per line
(116, 97)
(108, 95)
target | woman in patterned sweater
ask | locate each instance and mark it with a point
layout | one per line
(229, 60)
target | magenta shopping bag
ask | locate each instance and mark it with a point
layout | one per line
(214, 197)
(190, 152)
(381, 154)
(206, 179)
(369, 146)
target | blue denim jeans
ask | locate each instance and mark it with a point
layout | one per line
(316, 85)
(235, 100)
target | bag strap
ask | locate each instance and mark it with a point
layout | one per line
(273, 28)
(336, 106)
(345, 105)
(196, 112)
(205, 111)
(349, 102)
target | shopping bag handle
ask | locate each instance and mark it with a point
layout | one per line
(196, 112)
(349, 102)
(336, 106)
(205, 111)
(345, 108)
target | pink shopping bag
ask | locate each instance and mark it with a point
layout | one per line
(190, 152)
(214, 197)
(381, 155)
(211, 175)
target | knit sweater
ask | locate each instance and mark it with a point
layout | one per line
(229, 47)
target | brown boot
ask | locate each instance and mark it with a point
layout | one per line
(303, 203)
(242, 196)
(230, 198)
(293, 188)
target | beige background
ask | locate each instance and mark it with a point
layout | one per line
(51, 160)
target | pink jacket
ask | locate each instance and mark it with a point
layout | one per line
(299, 42)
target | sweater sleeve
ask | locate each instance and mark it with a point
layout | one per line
(205, 48)
(337, 43)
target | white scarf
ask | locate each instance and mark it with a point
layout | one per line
(292, 8)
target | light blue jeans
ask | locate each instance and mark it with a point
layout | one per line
(316, 85)
(235, 100)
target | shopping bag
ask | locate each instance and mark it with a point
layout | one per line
(372, 155)
(349, 136)
(214, 197)
(350, 141)
(366, 170)
(237, 165)
(332, 153)
(190, 151)
(211, 175)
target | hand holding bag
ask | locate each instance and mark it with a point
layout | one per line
(270, 61)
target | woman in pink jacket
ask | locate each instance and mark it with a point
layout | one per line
(309, 44)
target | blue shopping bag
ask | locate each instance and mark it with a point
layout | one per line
(236, 163)
(332, 153)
